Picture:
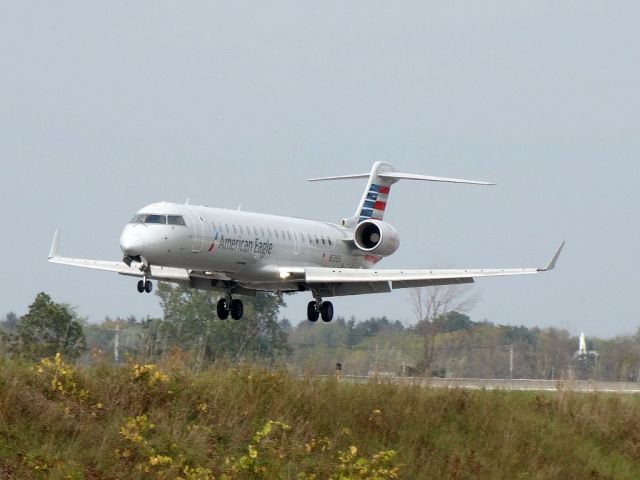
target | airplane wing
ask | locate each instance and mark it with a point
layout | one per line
(326, 280)
(168, 274)
(157, 272)
(353, 281)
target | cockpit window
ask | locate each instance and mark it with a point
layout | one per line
(156, 219)
(175, 220)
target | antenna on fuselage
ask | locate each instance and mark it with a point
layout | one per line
(187, 202)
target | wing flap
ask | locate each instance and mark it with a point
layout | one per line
(430, 282)
(343, 289)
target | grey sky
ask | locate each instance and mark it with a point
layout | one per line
(108, 106)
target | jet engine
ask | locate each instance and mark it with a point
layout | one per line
(376, 237)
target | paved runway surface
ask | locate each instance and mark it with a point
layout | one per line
(506, 384)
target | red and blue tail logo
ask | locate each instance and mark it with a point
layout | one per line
(213, 243)
(375, 203)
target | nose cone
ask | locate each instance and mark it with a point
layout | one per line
(131, 244)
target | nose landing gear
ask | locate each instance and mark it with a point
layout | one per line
(319, 309)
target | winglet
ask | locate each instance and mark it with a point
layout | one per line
(552, 263)
(55, 247)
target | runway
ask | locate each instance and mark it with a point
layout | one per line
(521, 384)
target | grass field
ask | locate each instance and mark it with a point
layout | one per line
(164, 421)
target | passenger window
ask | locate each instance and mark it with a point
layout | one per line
(160, 219)
(255, 231)
(269, 230)
(234, 229)
(226, 227)
(329, 240)
(323, 241)
(262, 231)
(289, 235)
(175, 220)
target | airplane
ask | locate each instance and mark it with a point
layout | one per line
(240, 253)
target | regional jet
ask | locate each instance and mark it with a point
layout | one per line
(240, 253)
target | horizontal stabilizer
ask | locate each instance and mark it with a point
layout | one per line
(376, 194)
(413, 176)
(340, 177)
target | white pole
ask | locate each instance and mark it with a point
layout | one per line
(510, 361)
(116, 345)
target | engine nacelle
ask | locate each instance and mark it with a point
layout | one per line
(376, 237)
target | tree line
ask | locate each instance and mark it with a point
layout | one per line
(443, 341)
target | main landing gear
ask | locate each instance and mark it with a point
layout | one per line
(145, 286)
(319, 309)
(228, 306)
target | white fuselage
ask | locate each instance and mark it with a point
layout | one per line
(250, 247)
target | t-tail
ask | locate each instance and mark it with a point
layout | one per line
(375, 197)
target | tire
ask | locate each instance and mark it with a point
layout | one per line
(237, 309)
(326, 311)
(140, 286)
(148, 286)
(312, 313)
(222, 310)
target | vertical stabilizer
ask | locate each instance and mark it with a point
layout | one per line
(374, 199)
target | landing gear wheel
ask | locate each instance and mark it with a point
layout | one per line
(326, 311)
(141, 286)
(236, 309)
(312, 312)
(148, 286)
(222, 310)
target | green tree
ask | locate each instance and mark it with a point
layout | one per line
(453, 322)
(48, 328)
(190, 323)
